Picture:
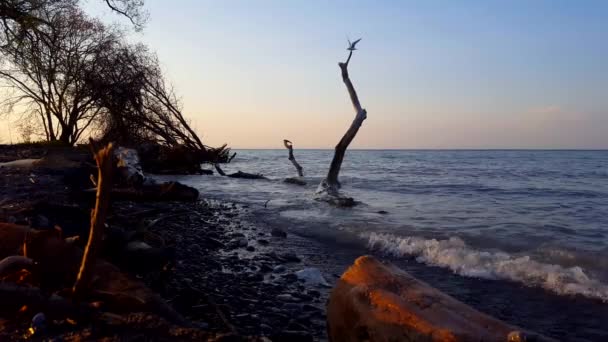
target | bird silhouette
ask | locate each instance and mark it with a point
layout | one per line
(351, 45)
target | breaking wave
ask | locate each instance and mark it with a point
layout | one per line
(455, 255)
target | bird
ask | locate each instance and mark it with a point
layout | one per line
(351, 45)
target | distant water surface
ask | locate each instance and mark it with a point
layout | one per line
(539, 218)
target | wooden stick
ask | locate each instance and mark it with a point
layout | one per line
(289, 145)
(104, 160)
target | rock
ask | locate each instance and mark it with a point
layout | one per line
(289, 277)
(289, 257)
(314, 293)
(245, 175)
(265, 268)
(238, 242)
(286, 297)
(276, 232)
(136, 246)
(250, 248)
(263, 242)
(128, 167)
(310, 308)
(279, 269)
(38, 324)
(294, 181)
(312, 276)
(292, 307)
(383, 212)
(344, 202)
(373, 301)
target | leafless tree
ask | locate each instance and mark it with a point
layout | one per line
(330, 184)
(49, 67)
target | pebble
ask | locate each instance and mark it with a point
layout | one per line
(290, 257)
(276, 232)
(279, 269)
(312, 276)
(287, 298)
(38, 323)
(292, 307)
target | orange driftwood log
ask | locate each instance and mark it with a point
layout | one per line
(376, 302)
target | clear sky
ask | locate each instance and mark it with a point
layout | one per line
(432, 74)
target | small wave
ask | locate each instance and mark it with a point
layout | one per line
(454, 254)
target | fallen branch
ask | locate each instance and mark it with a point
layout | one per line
(330, 184)
(238, 174)
(104, 160)
(289, 145)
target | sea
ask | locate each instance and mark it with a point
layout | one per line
(532, 219)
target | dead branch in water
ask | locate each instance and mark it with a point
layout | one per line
(331, 184)
(289, 145)
(238, 174)
(104, 160)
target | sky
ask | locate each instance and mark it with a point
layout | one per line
(431, 74)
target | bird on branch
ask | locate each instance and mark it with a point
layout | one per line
(351, 45)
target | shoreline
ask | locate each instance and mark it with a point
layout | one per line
(229, 273)
(564, 317)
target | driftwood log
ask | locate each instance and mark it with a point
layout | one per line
(104, 159)
(377, 302)
(289, 146)
(330, 184)
(238, 174)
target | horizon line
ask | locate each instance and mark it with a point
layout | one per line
(430, 149)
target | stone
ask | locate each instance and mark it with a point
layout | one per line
(276, 232)
(294, 181)
(290, 257)
(279, 269)
(312, 276)
(250, 248)
(377, 302)
(286, 297)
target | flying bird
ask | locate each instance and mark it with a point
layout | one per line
(351, 45)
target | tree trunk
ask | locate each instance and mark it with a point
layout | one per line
(331, 184)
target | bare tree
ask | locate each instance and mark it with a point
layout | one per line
(49, 67)
(25, 13)
(142, 107)
(330, 184)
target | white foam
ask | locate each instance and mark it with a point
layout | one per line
(463, 260)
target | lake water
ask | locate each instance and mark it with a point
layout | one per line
(539, 218)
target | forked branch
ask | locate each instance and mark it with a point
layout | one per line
(331, 184)
(289, 145)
